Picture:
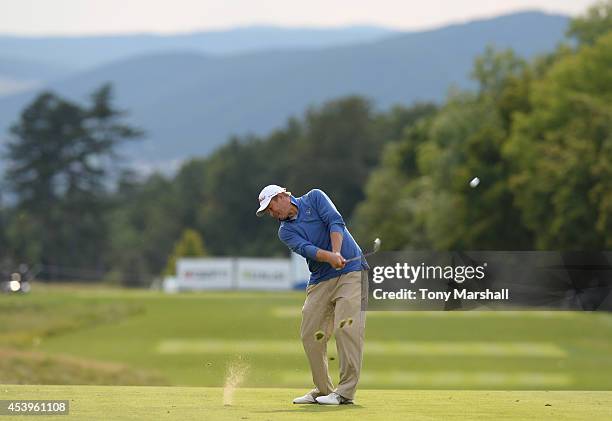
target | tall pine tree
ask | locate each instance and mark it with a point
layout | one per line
(59, 156)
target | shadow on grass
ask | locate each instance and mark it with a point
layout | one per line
(313, 408)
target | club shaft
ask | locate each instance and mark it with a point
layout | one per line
(352, 259)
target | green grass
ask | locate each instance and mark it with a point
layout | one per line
(189, 340)
(29, 367)
(198, 403)
(25, 320)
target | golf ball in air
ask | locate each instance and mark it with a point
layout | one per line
(475, 181)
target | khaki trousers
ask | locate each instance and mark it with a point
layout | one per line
(334, 306)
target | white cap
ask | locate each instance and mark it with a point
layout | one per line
(267, 193)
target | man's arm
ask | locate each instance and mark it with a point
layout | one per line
(328, 212)
(336, 241)
(308, 250)
(332, 218)
(334, 259)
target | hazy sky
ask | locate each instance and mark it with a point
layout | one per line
(73, 17)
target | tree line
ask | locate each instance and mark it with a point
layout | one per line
(538, 134)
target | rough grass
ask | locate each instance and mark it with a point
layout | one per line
(28, 367)
(27, 321)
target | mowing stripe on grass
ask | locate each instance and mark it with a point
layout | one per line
(426, 348)
(459, 379)
(193, 295)
(291, 312)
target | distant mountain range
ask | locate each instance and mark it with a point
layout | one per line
(17, 75)
(44, 59)
(86, 52)
(190, 102)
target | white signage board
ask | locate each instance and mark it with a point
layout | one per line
(205, 273)
(259, 273)
(299, 269)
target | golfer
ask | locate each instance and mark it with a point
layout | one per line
(311, 226)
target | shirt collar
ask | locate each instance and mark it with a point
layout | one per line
(297, 205)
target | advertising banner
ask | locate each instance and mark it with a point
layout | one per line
(205, 273)
(263, 273)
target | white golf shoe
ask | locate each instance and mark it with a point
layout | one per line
(334, 399)
(307, 398)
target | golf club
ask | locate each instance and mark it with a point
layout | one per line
(375, 248)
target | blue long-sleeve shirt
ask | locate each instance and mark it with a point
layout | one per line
(310, 231)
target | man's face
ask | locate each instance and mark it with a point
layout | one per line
(279, 206)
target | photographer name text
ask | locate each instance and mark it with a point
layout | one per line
(409, 275)
(425, 294)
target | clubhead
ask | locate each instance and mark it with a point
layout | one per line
(376, 245)
(375, 248)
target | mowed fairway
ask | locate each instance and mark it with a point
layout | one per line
(197, 403)
(189, 340)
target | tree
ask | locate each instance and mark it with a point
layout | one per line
(493, 68)
(596, 22)
(59, 155)
(3, 227)
(341, 144)
(397, 197)
(561, 153)
(189, 245)
(143, 227)
(419, 196)
(234, 176)
(465, 141)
